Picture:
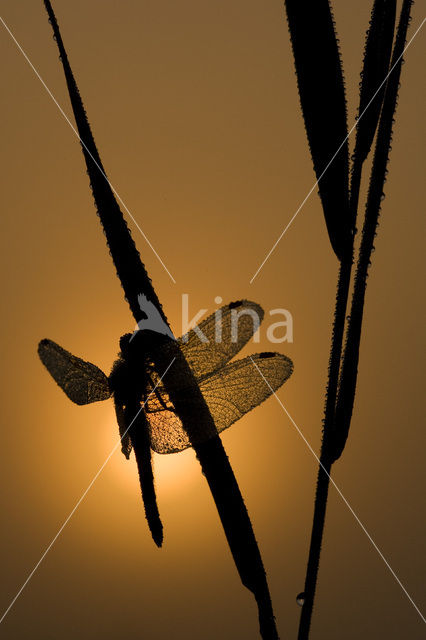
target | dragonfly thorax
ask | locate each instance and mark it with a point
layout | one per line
(141, 344)
(129, 377)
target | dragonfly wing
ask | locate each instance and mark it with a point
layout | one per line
(166, 432)
(226, 332)
(243, 385)
(82, 381)
(230, 393)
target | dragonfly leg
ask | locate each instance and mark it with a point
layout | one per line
(157, 392)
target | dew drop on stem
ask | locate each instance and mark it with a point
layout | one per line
(300, 598)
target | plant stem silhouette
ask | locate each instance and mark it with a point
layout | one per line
(322, 97)
(349, 370)
(324, 469)
(376, 111)
(211, 454)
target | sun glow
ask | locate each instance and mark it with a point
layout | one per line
(171, 470)
(175, 470)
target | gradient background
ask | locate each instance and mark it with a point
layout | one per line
(196, 115)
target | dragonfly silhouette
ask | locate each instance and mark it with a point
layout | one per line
(146, 415)
(161, 386)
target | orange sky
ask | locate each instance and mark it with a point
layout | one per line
(195, 111)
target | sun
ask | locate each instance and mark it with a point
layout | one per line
(171, 471)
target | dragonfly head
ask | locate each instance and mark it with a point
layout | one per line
(140, 344)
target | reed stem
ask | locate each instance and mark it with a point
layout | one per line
(320, 505)
(343, 369)
(212, 456)
(329, 428)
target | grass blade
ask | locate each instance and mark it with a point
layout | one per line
(377, 55)
(322, 97)
(333, 443)
(129, 266)
(349, 372)
(212, 457)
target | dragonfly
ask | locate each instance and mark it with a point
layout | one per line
(147, 417)
(168, 393)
